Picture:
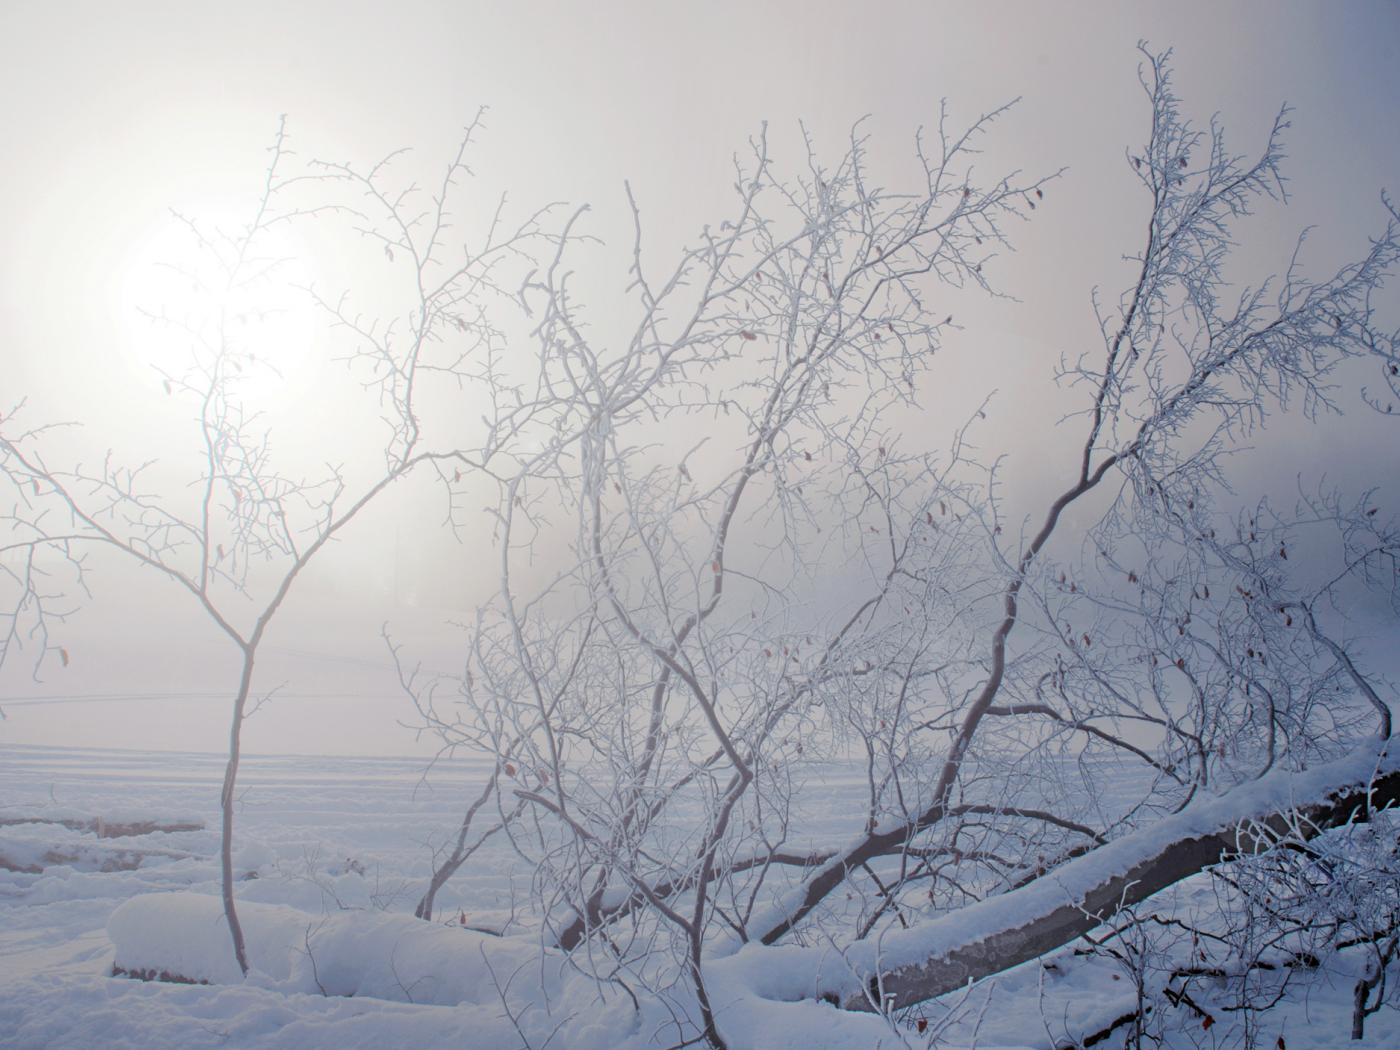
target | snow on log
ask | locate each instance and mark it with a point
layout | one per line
(30, 856)
(23, 850)
(1075, 898)
(184, 937)
(947, 953)
(109, 825)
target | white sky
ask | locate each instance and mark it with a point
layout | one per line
(112, 113)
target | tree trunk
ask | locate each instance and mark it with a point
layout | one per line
(235, 928)
(1094, 887)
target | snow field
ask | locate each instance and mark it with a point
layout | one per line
(334, 854)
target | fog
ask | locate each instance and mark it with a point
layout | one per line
(114, 115)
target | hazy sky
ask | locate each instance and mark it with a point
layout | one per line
(111, 114)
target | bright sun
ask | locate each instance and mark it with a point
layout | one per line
(198, 295)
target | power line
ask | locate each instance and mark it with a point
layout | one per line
(110, 698)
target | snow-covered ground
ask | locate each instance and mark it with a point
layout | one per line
(334, 854)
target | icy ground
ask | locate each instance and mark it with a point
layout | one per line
(338, 850)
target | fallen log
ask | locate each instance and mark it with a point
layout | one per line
(1005, 931)
(28, 857)
(110, 829)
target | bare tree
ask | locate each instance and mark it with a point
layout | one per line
(250, 532)
(777, 571)
(725, 559)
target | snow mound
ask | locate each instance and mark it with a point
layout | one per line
(355, 953)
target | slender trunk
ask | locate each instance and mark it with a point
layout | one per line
(1367, 985)
(1358, 1009)
(459, 853)
(707, 1013)
(230, 780)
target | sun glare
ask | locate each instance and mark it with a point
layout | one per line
(200, 298)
